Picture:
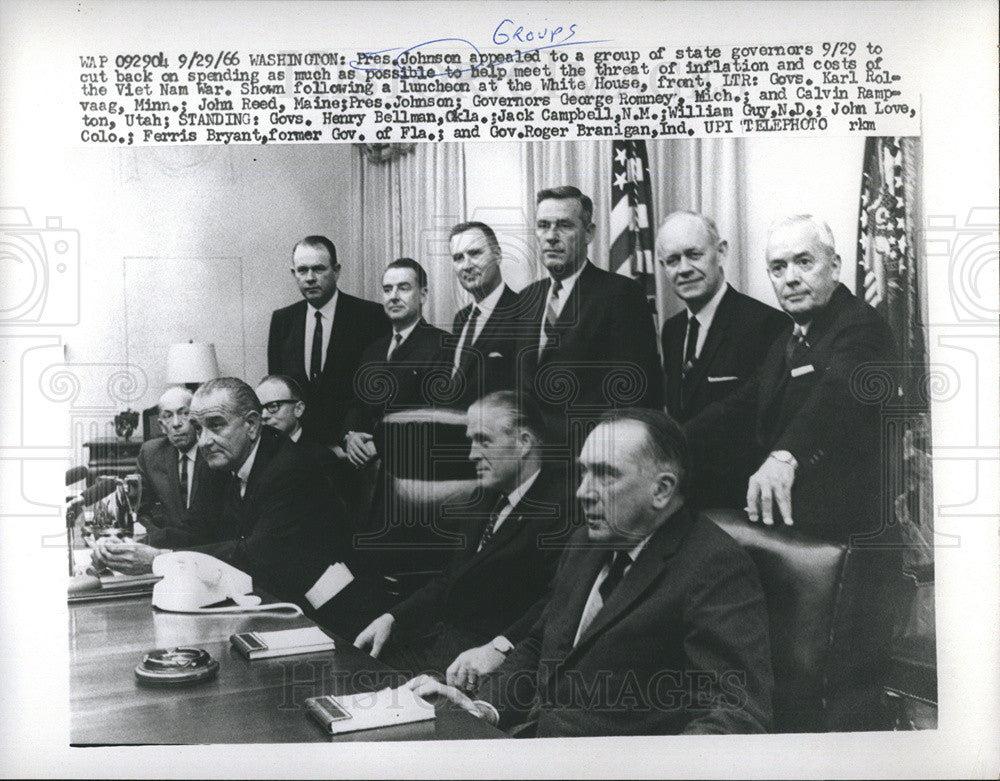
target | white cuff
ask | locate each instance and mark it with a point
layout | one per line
(486, 712)
(336, 578)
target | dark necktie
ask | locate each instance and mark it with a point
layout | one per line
(466, 346)
(797, 346)
(615, 572)
(488, 531)
(549, 326)
(182, 476)
(691, 346)
(316, 360)
(396, 341)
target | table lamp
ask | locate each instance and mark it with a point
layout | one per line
(191, 363)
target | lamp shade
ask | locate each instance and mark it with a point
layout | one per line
(191, 362)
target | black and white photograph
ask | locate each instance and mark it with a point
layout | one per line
(413, 437)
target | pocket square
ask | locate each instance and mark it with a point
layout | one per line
(721, 379)
(496, 355)
(798, 371)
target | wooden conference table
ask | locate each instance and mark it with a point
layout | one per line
(249, 702)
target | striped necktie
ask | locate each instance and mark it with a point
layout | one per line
(492, 522)
(549, 324)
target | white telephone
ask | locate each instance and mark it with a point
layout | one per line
(193, 580)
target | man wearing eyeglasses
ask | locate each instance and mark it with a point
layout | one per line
(283, 404)
(171, 469)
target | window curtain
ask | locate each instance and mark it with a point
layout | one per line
(704, 175)
(408, 203)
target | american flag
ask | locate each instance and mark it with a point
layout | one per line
(887, 269)
(631, 251)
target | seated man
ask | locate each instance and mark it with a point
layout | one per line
(506, 563)
(282, 407)
(657, 623)
(171, 468)
(273, 519)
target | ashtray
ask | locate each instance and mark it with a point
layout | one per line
(175, 666)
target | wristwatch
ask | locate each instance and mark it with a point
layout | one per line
(502, 644)
(785, 457)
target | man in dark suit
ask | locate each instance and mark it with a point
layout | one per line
(394, 369)
(486, 331)
(657, 623)
(318, 341)
(273, 519)
(283, 406)
(171, 469)
(806, 412)
(713, 346)
(590, 344)
(507, 560)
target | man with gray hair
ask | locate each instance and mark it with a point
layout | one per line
(172, 471)
(816, 433)
(656, 624)
(711, 347)
(494, 585)
(273, 518)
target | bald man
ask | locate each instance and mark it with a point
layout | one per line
(170, 466)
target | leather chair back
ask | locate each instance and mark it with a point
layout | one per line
(829, 624)
(425, 467)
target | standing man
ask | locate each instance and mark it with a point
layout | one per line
(171, 468)
(590, 342)
(318, 341)
(393, 367)
(504, 568)
(657, 623)
(484, 357)
(816, 436)
(712, 347)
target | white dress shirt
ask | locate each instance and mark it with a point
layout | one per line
(513, 498)
(405, 334)
(705, 318)
(560, 302)
(243, 473)
(189, 455)
(486, 307)
(595, 602)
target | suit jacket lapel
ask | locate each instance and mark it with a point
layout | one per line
(297, 334)
(196, 475)
(341, 320)
(715, 337)
(570, 313)
(409, 344)
(777, 373)
(651, 563)
(583, 567)
(466, 358)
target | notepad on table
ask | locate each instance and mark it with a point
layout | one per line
(372, 710)
(284, 642)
